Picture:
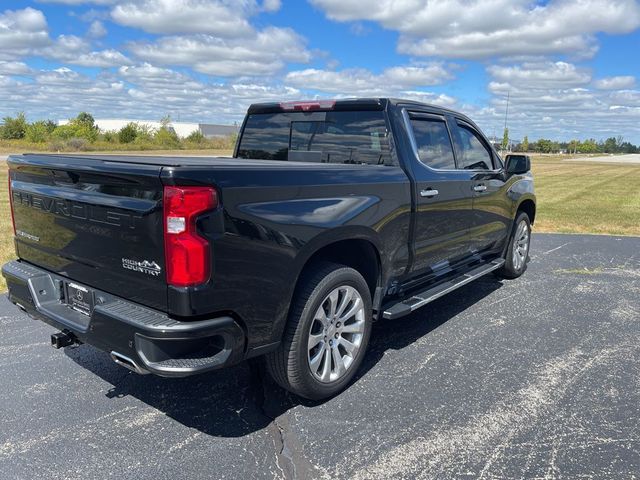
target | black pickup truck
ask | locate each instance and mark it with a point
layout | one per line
(330, 215)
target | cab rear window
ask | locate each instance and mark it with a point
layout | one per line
(356, 137)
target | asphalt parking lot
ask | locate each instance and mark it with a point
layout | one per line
(533, 378)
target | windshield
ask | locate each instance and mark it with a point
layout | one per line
(328, 137)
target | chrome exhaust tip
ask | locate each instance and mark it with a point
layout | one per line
(128, 363)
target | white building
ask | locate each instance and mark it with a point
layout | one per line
(183, 129)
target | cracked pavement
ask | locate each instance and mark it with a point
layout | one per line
(531, 378)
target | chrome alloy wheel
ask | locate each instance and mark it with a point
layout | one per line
(521, 245)
(336, 334)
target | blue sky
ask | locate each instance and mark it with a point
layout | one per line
(569, 66)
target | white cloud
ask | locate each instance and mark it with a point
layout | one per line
(271, 5)
(66, 47)
(80, 2)
(260, 53)
(543, 83)
(77, 51)
(364, 82)
(96, 29)
(625, 98)
(141, 91)
(213, 37)
(399, 81)
(615, 83)
(486, 28)
(477, 45)
(540, 75)
(6, 82)
(153, 77)
(21, 30)
(217, 17)
(556, 100)
(61, 76)
(25, 32)
(432, 74)
(440, 99)
(100, 59)
(14, 68)
(536, 89)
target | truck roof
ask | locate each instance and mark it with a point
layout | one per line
(364, 103)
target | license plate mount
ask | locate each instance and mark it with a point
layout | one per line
(80, 298)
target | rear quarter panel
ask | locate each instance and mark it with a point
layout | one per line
(274, 218)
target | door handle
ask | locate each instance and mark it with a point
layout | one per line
(479, 188)
(428, 193)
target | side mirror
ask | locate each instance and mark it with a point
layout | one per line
(517, 164)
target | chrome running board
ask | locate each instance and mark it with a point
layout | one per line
(408, 305)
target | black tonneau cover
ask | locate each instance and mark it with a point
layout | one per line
(69, 161)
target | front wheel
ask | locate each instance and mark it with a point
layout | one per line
(326, 335)
(518, 249)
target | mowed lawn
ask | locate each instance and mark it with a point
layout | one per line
(586, 197)
(572, 198)
(6, 231)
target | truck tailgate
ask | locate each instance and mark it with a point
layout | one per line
(97, 221)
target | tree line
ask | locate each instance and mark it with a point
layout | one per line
(591, 145)
(82, 133)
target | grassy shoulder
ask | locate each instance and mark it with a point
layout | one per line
(81, 134)
(206, 147)
(572, 197)
(6, 230)
(586, 197)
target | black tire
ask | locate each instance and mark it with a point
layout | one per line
(289, 365)
(511, 269)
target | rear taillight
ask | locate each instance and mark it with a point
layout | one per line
(188, 260)
(13, 220)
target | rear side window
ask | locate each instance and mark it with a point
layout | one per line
(328, 137)
(265, 137)
(473, 154)
(434, 143)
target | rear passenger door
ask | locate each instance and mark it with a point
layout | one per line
(490, 221)
(443, 196)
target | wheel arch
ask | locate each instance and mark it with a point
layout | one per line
(358, 249)
(527, 206)
(358, 253)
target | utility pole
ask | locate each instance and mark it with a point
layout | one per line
(506, 116)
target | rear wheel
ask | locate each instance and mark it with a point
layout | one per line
(517, 254)
(326, 335)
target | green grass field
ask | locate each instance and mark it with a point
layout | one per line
(6, 231)
(572, 198)
(586, 197)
